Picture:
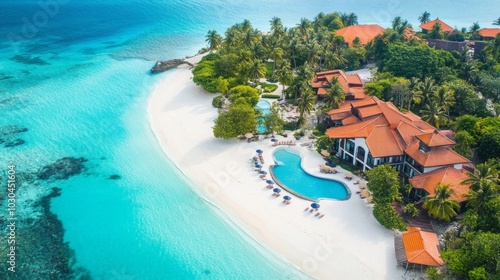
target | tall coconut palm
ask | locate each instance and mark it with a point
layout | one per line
(444, 98)
(276, 25)
(332, 60)
(482, 172)
(305, 103)
(434, 114)
(416, 95)
(284, 75)
(425, 17)
(334, 95)
(246, 25)
(479, 196)
(256, 69)
(304, 25)
(496, 21)
(473, 29)
(427, 89)
(213, 39)
(441, 206)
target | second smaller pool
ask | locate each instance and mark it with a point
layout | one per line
(289, 173)
(263, 106)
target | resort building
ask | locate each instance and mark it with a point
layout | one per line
(364, 32)
(352, 84)
(370, 132)
(488, 33)
(427, 27)
(417, 248)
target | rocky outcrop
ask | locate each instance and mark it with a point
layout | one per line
(165, 65)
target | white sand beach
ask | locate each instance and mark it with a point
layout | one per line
(347, 243)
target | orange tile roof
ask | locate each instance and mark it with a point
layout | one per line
(361, 129)
(437, 156)
(407, 133)
(350, 83)
(435, 139)
(350, 120)
(421, 247)
(489, 32)
(445, 176)
(365, 33)
(428, 25)
(369, 111)
(388, 147)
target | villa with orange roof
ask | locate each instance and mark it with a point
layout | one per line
(371, 132)
(352, 84)
(364, 32)
(427, 27)
(417, 247)
(488, 33)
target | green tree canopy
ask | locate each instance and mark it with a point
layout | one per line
(441, 206)
(383, 183)
(238, 120)
(489, 146)
(249, 93)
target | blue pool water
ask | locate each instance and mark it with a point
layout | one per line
(263, 106)
(289, 172)
(77, 77)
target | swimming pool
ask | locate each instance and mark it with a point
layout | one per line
(263, 106)
(288, 173)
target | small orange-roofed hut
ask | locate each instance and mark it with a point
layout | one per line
(417, 248)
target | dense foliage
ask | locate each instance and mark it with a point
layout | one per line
(387, 216)
(383, 183)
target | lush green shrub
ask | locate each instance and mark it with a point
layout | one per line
(217, 101)
(411, 210)
(273, 96)
(317, 132)
(291, 125)
(269, 87)
(324, 143)
(321, 127)
(204, 73)
(250, 94)
(387, 216)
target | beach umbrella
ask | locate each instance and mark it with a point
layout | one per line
(286, 197)
(315, 205)
(276, 190)
(263, 172)
(259, 151)
(258, 166)
(248, 135)
(274, 140)
(270, 182)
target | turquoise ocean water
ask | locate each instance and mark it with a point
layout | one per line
(75, 73)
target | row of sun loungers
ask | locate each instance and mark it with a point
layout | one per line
(327, 169)
(318, 214)
(284, 143)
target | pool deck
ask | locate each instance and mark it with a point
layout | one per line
(310, 161)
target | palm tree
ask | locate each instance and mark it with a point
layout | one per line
(444, 98)
(284, 76)
(349, 19)
(304, 26)
(332, 60)
(483, 172)
(256, 69)
(416, 95)
(334, 95)
(427, 89)
(434, 114)
(479, 196)
(473, 29)
(441, 206)
(213, 39)
(305, 103)
(496, 21)
(396, 22)
(246, 25)
(424, 18)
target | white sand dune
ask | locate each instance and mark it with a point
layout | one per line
(348, 243)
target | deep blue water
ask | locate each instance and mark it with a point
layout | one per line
(75, 73)
(289, 172)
